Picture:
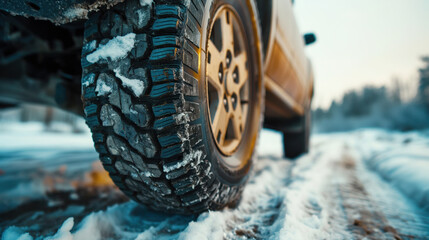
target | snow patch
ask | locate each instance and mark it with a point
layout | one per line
(186, 160)
(133, 111)
(76, 12)
(102, 89)
(147, 235)
(143, 17)
(145, 2)
(64, 232)
(209, 225)
(15, 233)
(182, 118)
(270, 143)
(89, 80)
(139, 172)
(146, 174)
(143, 13)
(401, 159)
(136, 85)
(116, 49)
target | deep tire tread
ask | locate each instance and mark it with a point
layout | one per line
(167, 120)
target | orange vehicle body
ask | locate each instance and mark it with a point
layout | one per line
(288, 73)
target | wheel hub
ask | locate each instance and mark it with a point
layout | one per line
(227, 80)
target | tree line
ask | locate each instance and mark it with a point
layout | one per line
(380, 107)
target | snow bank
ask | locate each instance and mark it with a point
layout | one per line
(93, 227)
(126, 221)
(15, 136)
(14, 127)
(403, 160)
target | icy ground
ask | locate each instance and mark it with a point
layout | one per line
(366, 183)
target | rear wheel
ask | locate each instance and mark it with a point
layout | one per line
(172, 92)
(296, 143)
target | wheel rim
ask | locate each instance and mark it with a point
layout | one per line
(227, 80)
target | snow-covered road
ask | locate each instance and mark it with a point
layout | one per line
(366, 183)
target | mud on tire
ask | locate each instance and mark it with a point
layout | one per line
(147, 110)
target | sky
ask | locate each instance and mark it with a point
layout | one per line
(363, 42)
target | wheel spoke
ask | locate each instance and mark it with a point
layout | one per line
(220, 123)
(213, 66)
(238, 120)
(227, 31)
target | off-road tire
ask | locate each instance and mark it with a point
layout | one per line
(296, 143)
(157, 145)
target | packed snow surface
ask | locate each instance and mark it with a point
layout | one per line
(116, 49)
(366, 179)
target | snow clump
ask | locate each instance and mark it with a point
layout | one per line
(116, 49)
(136, 85)
(146, 2)
(102, 89)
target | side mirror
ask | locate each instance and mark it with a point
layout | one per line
(309, 38)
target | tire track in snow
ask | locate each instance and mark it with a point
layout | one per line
(257, 210)
(283, 200)
(372, 207)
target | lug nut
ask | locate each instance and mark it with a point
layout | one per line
(228, 59)
(235, 75)
(234, 101)
(220, 74)
(225, 104)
